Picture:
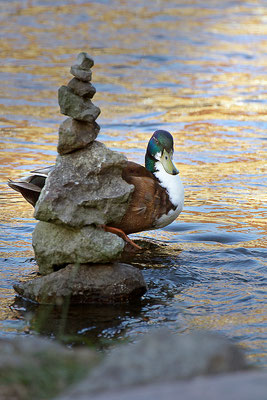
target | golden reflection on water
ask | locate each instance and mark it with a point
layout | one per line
(239, 321)
(197, 69)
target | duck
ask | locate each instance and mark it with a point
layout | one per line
(158, 196)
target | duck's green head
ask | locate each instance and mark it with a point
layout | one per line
(160, 149)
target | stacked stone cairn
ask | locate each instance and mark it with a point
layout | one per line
(82, 193)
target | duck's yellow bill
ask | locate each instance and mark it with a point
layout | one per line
(168, 165)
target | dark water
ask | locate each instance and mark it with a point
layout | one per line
(195, 68)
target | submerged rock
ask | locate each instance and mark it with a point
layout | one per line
(108, 283)
(56, 245)
(85, 188)
(75, 135)
(75, 106)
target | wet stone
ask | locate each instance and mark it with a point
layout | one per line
(82, 89)
(108, 283)
(74, 135)
(76, 107)
(79, 73)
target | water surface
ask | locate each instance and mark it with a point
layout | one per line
(195, 68)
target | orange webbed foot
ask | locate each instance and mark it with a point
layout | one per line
(122, 234)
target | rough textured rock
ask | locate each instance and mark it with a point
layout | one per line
(163, 356)
(85, 283)
(75, 106)
(35, 368)
(85, 188)
(57, 245)
(83, 89)
(80, 73)
(75, 135)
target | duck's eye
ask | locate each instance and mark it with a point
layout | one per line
(166, 158)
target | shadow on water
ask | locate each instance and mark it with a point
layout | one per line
(93, 325)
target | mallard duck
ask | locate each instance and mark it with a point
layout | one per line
(158, 197)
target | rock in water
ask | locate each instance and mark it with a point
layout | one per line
(83, 191)
(108, 283)
(85, 188)
(57, 245)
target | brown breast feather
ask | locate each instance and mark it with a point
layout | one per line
(148, 203)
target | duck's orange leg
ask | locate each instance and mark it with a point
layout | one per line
(122, 234)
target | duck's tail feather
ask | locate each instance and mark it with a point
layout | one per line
(43, 171)
(29, 191)
(30, 187)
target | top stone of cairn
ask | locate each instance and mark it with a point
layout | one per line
(81, 70)
(84, 61)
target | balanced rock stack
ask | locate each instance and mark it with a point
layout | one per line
(75, 101)
(84, 191)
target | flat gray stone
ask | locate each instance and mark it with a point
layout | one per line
(250, 385)
(80, 73)
(57, 245)
(85, 188)
(104, 283)
(159, 357)
(76, 107)
(163, 356)
(82, 89)
(85, 61)
(74, 135)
